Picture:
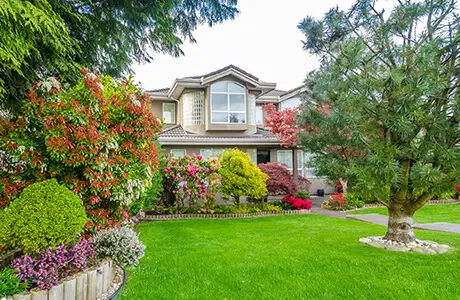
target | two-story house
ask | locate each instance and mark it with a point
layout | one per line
(223, 109)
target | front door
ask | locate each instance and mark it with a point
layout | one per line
(263, 156)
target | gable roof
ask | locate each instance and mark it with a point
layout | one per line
(229, 67)
(200, 81)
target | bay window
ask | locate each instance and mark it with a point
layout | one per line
(228, 103)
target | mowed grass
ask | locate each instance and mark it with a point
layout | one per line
(286, 257)
(449, 213)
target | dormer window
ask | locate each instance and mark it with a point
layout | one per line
(228, 103)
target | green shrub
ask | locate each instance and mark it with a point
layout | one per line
(121, 244)
(45, 215)
(241, 177)
(303, 194)
(10, 283)
(271, 207)
(224, 209)
(153, 193)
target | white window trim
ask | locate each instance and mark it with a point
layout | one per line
(185, 151)
(228, 111)
(173, 115)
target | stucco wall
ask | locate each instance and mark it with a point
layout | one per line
(317, 182)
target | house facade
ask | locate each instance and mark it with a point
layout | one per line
(209, 113)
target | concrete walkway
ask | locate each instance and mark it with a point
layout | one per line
(383, 220)
(316, 209)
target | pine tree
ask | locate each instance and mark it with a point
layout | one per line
(383, 108)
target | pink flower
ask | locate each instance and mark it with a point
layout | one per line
(167, 159)
(200, 157)
(207, 169)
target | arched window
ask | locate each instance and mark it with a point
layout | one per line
(228, 103)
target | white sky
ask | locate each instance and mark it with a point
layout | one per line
(263, 40)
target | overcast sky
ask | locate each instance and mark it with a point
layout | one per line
(263, 40)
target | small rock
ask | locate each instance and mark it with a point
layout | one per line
(397, 248)
(444, 246)
(376, 244)
(440, 250)
(430, 242)
(365, 240)
(423, 250)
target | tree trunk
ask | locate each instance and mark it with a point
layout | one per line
(237, 202)
(400, 222)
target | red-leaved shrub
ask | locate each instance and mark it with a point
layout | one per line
(296, 203)
(457, 187)
(280, 181)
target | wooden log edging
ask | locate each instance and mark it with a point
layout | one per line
(224, 216)
(85, 286)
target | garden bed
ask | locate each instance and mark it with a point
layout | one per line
(224, 216)
(96, 283)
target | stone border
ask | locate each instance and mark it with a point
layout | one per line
(418, 246)
(89, 285)
(120, 287)
(224, 216)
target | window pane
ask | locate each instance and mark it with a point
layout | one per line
(169, 113)
(237, 118)
(259, 115)
(178, 152)
(235, 88)
(206, 153)
(285, 157)
(219, 102)
(237, 103)
(219, 117)
(220, 87)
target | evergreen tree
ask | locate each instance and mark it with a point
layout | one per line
(56, 37)
(383, 108)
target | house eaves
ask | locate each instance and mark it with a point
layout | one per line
(218, 141)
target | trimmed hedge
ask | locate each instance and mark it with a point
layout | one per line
(45, 215)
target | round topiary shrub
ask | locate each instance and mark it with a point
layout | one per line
(45, 215)
(122, 245)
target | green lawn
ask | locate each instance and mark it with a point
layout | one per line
(285, 257)
(449, 213)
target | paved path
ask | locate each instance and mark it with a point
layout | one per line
(316, 209)
(383, 220)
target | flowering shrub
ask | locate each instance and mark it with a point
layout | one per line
(214, 181)
(10, 283)
(337, 201)
(121, 244)
(296, 203)
(54, 265)
(98, 137)
(45, 215)
(190, 177)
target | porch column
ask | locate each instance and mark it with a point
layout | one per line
(295, 167)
